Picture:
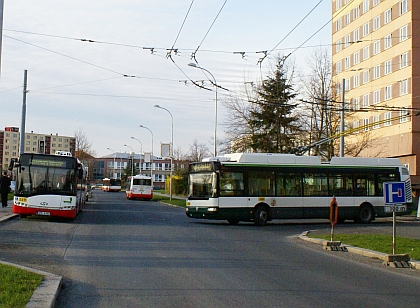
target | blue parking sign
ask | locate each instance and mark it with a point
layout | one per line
(394, 192)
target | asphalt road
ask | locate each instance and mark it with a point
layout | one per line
(121, 253)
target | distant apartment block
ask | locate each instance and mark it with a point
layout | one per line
(376, 58)
(34, 143)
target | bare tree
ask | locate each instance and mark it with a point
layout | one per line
(198, 151)
(84, 151)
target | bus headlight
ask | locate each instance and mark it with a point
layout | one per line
(212, 209)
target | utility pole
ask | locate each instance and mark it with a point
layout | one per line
(342, 119)
(1, 27)
(22, 125)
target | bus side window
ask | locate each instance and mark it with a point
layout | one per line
(231, 184)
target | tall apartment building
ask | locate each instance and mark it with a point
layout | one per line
(376, 56)
(34, 143)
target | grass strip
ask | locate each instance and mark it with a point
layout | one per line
(17, 286)
(377, 242)
(178, 202)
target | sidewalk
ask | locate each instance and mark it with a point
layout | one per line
(6, 212)
(46, 293)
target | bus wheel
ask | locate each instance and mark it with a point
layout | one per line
(365, 214)
(233, 221)
(260, 215)
(22, 216)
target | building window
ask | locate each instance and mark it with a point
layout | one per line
(403, 33)
(388, 67)
(403, 6)
(365, 6)
(365, 29)
(338, 46)
(365, 77)
(365, 102)
(404, 60)
(388, 92)
(387, 16)
(366, 52)
(375, 2)
(376, 24)
(376, 47)
(375, 121)
(366, 124)
(377, 72)
(404, 113)
(356, 58)
(347, 18)
(338, 24)
(356, 12)
(347, 62)
(356, 81)
(387, 41)
(337, 4)
(404, 87)
(356, 103)
(356, 35)
(347, 84)
(338, 67)
(387, 118)
(376, 96)
(347, 41)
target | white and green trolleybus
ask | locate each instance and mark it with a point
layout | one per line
(260, 187)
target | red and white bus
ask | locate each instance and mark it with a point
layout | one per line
(111, 184)
(48, 185)
(139, 187)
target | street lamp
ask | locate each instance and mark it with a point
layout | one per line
(172, 150)
(132, 152)
(113, 166)
(215, 102)
(151, 165)
(141, 151)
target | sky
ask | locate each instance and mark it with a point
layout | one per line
(100, 66)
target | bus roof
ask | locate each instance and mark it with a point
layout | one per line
(292, 159)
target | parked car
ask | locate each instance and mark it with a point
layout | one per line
(97, 186)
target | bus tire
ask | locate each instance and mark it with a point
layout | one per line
(233, 221)
(261, 215)
(23, 216)
(365, 214)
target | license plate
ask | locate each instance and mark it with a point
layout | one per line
(395, 208)
(43, 213)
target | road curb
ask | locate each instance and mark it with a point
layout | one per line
(46, 293)
(356, 250)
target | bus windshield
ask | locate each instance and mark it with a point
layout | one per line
(202, 185)
(43, 180)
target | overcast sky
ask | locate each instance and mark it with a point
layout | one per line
(108, 85)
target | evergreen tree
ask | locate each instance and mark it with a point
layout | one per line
(272, 117)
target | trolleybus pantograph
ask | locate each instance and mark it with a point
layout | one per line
(260, 187)
(139, 187)
(48, 185)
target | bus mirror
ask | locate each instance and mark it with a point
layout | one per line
(13, 163)
(80, 173)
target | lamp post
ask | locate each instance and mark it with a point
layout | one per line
(151, 165)
(113, 166)
(215, 102)
(141, 150)
(132, 152)
(172, 150)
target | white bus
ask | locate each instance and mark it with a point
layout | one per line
(261, 187)
(48, 185)
(111, 184)
(139, 187)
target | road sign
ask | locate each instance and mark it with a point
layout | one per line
(394, 193)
